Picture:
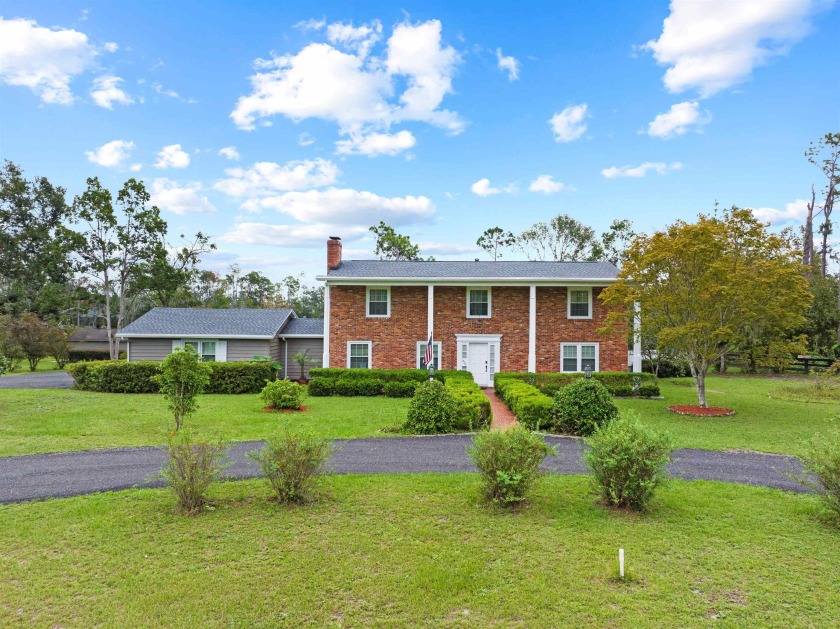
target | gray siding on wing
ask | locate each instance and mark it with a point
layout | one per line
(150, 349)
(275, 350)
(316, 354)
(246, 349)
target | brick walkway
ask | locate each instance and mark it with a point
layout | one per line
(502, 417)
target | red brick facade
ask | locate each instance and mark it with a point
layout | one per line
(395, 338)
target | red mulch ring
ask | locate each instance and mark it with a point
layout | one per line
(699, 411)
(269, 409)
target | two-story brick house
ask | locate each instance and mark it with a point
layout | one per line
(483, 317)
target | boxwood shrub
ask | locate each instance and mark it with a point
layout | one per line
(473, 407)
(396, 388)
(618, 383)
(76, 355)
(117, 376)
(531, 407)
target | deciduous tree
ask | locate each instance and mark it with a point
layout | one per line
(393, 246)
(495, 239)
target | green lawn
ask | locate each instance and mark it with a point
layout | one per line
(768, 418)
(49, 420)
(419, 550)
(45, 364)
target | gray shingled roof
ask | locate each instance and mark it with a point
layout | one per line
(465, 269)
(207, 321)
(304, 327)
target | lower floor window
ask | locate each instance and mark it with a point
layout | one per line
(421, 355)
(205, 349)
(578, 357)
(358, 354)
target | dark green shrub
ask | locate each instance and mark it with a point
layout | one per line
(192, 465)
(648, 390)
(5, 365)
(369, 387)
(582, 407)
(293, 463)
(182, 378)
(509, 462)
(321, 387)
(473, 407)
(282, 394)
(627, 462)
(624, 390)
(431, 411)
(668, 368)
(619, 383)
(822, 459)
(531, 407)
(351, 387)
(77, 355)
(396, 388)
(240, 377)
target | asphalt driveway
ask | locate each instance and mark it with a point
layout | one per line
(38, 380)
(72, 473)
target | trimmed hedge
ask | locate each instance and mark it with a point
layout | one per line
(117, 376)
(77, 355)
(531, 407)
(392, 382)
(473, 406)
(395, 388)
(618, 383)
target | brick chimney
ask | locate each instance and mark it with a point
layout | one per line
(333, 253)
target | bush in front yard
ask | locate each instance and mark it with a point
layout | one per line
(351, 387)
(293, 463)
(192, 465)
(282, 394)
(5, 365)
(182, 378)
(582, 407)
(627, 462)
(395, 388)
(473, 407)
(321, 387)
(822, 459)
(432, 410)
(240, 377)
(509, 462)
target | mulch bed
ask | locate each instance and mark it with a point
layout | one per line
(698, 411)
(269, 409)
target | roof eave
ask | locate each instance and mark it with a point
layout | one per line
(558, 281)
(186, 335)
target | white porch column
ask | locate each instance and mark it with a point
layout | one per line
(637, 338)
(431, 311)
(532, 331)
(326, 324)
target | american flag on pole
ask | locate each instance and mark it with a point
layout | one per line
(430, 353)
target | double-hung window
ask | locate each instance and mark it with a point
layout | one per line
(580, 303)
(358, 354)
(421, 354)
(577, 357)
(478, 303)
(378, 302)
(205, 349)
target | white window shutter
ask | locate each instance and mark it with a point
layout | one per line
(176, 343)
(221, 351)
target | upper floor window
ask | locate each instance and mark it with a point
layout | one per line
(358, 354)
(580, 303)
(478, 303)
(379, 302)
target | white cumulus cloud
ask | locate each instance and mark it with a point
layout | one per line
(180, 198)
(483, 188)
(106, 91)
(230, 153)
(715, 44)
(373, 144)
(172, 156)
(111, 154)
(264, 179)
(508, 64)
(343, 81)
(569, 124)
(794, 212)
(678, 120)
(43, 59)
(660, 168)
(288, 235)
(546, 185)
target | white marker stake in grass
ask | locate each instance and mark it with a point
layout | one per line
(621, 562)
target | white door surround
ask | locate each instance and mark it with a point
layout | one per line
(479, 354)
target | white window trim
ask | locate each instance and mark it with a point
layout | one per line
(387, 289)
(569, 301)
(200, 343)
(435, 344)
(580, 356)
(370, 352)
(489, 302)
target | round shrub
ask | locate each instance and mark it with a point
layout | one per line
(431, 411)
(282, 394)
(400, 389)
(369, 387)
(627, 462)
(321, 387)
(582, 407)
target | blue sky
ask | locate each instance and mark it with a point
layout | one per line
(442, 119)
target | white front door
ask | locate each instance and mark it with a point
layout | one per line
(479, 363)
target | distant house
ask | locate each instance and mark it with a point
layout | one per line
(226, 335)
(91, 340)
(484, 317)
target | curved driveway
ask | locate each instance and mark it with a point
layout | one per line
(72, 473)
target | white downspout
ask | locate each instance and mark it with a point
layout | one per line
(326, 361)
(286, 359)
(637, 338)
(532, 330)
